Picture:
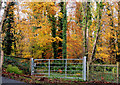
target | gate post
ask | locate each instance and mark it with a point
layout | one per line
(49, 67)
(87, 71)
(32, 66)
(84, 68)
(66, 68)
(118, 68)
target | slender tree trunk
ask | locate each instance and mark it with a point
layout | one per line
(14, 43)
(52, 20)
(1, 57)
(118, 34)
(7, 26)
(0, 5)
(1, 27)
(97, 35)
(54, 44)
(87, 14)
(60, 30)
(85, 29)
(112, 40)
(64, 32)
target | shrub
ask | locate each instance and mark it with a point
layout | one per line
(21, 63)
(13, 69)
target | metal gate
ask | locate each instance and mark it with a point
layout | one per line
(59, 68)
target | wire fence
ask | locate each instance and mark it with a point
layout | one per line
(103, 72)
(59, 68)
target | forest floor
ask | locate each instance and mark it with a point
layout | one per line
(15, 79)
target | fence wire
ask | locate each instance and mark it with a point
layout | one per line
(107, 73)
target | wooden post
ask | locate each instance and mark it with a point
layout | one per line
(31, 66)
(104, 69)
(87, 71)
(117, 72)
(66, 68)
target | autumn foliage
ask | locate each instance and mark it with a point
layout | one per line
(58, 30)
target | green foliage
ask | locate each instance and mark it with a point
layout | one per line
(13, 69)
(17, 62)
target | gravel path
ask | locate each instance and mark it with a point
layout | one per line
(7, 81)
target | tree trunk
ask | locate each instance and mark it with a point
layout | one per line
(97, 36)
(87, 15)
(54, 44)
(64, 32)
(7, 27)
(1, 26)
(1, 57)
(60, 30)
(112, 40)
(118, 34)
(52, 20)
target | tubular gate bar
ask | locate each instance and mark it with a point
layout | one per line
(61, 68)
